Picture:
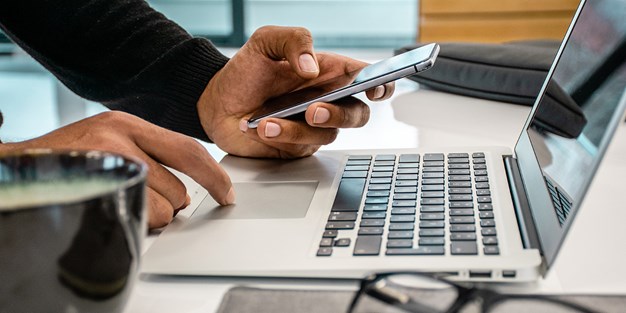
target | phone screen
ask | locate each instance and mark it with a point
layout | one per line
(348, 84)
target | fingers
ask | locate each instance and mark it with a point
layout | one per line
(347, 112)
(160, 210)
(381, 92)
(292, 43)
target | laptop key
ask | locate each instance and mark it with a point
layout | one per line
(458, 155)
(431, 224)
(460, 191)
(380, 174)
(376, 187)
(404, 203)
(433, 157)
(406, 177)
(432, 232)
(366, 231)
(432, 201)
(357, 162)
(432, 175)
(487, 223)
(462, 236)
(482, 186)
(458, 166)
(488, 231)
(479, 161)
(432, 217)
(491, 250)
(408, 165)
(431, 241)
(380, 180)
(325, 251)
(342, 216)
(486, 214)
(409, 158)
(458, 160)
(342, 242)
(376, 200)
(424, 250)
(372, 223)
(457, 204)
(478, 155)
(462, 220)
(433, 169)
(360, 157)
(408, 171)
(483, 192)
(405, 189)
(400, 234)
(367, 245)
(461, 212)
(354, 174)
(403, 211)
(326, 242)
(375, 207)
(406, 183)
(432, 181)
(377, 193)
(330, 233)
(462, 228)
(432, 208)
(464, 197)
(463, 248)
(357, 168)
(401, 226)
(405, 196)
(349, 195)
(489, 241)
(382, 169)
(483, 199)
(460, 184)
(399, 243)
(481, 179)
(374, 215)
(432, 188)
(459, 178)
(402, 218)
(340, 225)
(384, 163)
(485, 207)
(386, 157)
(458, 172)
(480, 166)
(433, 164)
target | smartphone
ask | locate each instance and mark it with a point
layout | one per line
(396, 67)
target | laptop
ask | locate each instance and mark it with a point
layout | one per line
(473, 213)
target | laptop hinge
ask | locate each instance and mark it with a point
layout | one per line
(520, 202)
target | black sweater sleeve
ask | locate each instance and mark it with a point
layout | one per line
(121, 53)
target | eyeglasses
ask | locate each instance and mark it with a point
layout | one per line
(425, 293)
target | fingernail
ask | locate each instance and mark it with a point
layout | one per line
(230, 197)
(307, 63)
(243, 126)
(379, 92)
(322, 115)
(272, 130)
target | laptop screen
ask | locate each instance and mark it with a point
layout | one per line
(579, 109)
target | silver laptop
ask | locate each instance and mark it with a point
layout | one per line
(484, 214)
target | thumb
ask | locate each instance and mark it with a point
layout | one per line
(292, 43)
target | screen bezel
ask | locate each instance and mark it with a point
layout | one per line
(550, 233)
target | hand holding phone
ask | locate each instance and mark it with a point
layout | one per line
(373, 75)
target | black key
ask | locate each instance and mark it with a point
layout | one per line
(405, 196)
(482, 185)
(432, 181)
(461, 198)
(404, 203)
(374, 215)
(462, 236)
(408, 165)
(481, 179)
(342, 242)
(462, 220)
(431, 241)
(432, 224)
(357, 168)
(349, 195)
(489, 231)
(491, 250)
(433, 169)
(480, 166)
(405, 189)
(409, 158)
(458, 155)
(425, 250)
(408, 171)
(325, 251)
(459, 178)
(342, 216)
(487, 223)
(406, 183)
(399, 243)
(377, 187)
(401, 219)
(357, 162)
(384, 163)
(459, 172)
(378, 193)
(432, 208)
(367, 245)
(460, 184)
(380, 174)
(400, 234)
(479, 161)
(489, 241)
(485, 207)
(406, 177)
(461, 212)
(380, 180)
(340, 225)
(459, 191)
(463, 248)
(375, 207)
(366, 231)
(478, 155)
(433, 157)
(458, 166)
(431, 232)
(376, 200)
(484, 199)
(457, 205)
(432, 188)
(382, 169)
(462, 227)
(486, 214)
(401, 226)
(432, 201)
(372, 223)
(386, 157)
(458, 160)
(326, 242)
(432, 217)
(433, 164)
(360, 157)
(432, 175)
(480, 172)
(483, 192)
(330, 233)
(355, 174)
(403, 211)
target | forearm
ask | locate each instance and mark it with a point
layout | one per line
(118, 52)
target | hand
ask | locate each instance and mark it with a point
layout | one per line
(128, 135)
(277, 60)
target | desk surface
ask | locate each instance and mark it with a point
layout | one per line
(591, 259)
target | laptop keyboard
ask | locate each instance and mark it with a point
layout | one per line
(411, 204)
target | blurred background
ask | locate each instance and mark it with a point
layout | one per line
(33, 102)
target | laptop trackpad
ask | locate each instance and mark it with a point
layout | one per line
(262, 200)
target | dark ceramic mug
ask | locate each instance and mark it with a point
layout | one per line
(71, 228)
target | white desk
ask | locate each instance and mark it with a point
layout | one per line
(591, 259)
